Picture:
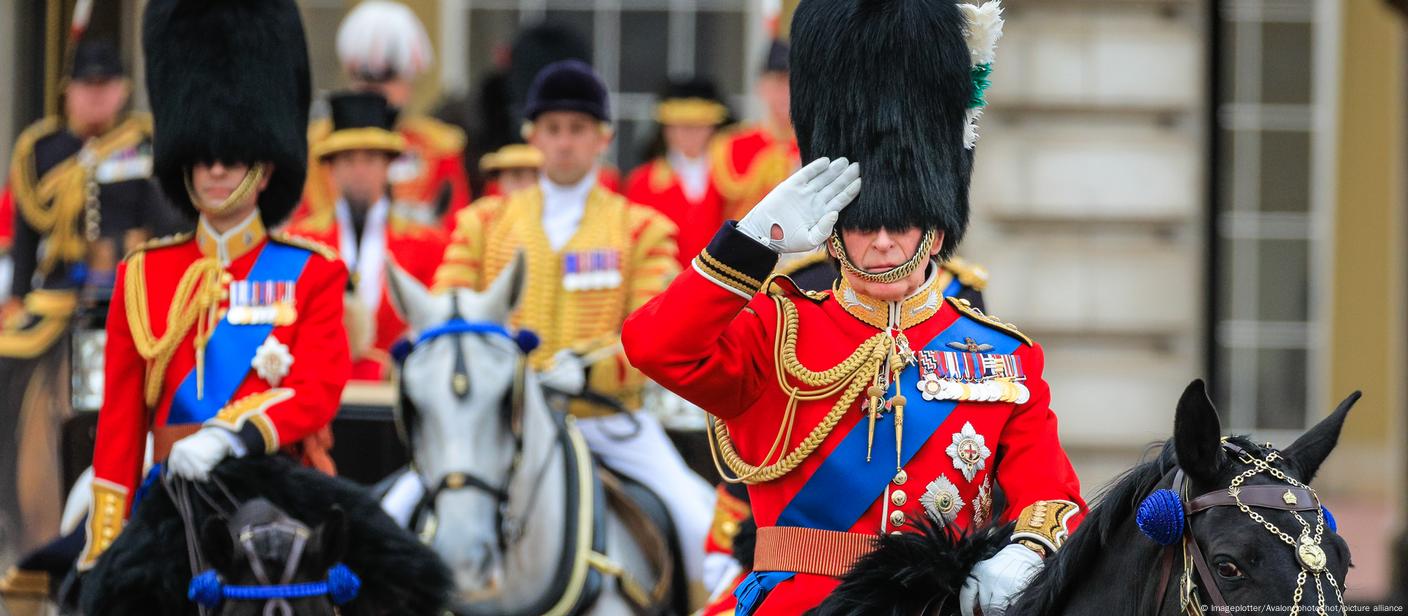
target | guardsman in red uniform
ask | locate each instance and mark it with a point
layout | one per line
(677, 182)
(229, 341)
(748, 162)
(383, 47)
(366, 228)
(859, 411)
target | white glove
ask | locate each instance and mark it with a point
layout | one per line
(804, 206)
(193, 457)
(996, 581)
(567, 375)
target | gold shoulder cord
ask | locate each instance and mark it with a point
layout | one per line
(197, 295)
(849, 377)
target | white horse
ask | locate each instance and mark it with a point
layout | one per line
(500, 486)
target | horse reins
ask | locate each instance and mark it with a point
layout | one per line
(1295, 499)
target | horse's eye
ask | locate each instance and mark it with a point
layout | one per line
(1229, 570)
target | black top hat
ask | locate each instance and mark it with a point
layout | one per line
(95, 60)
(569, 85)
(228, 81)
(886, 83)
(360, 121)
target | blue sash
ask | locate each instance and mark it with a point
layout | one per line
(231, 347)
(952, 290)
(845, 485)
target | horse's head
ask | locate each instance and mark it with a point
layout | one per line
(1248, 511)
(260, 549)
(459, 380)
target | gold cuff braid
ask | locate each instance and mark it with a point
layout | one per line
(1045, 522)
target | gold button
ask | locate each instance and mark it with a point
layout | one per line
(898, 498)
(901, 477)
(897, 518)
(729, 527)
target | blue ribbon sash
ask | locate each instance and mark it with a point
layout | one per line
(232, 347)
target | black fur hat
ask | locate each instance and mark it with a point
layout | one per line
(569, 85)
(228, 81)
(886, 84)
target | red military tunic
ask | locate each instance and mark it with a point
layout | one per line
(656, 185)
(713, 339)
(416, 248)
(747, 163)
(265, 412)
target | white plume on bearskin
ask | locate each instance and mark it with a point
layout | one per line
(380, 40)
(983, 28)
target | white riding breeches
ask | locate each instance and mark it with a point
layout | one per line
(650, 458)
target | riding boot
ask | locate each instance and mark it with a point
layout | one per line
(24, 593)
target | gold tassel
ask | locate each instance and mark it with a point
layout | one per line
(876, 394)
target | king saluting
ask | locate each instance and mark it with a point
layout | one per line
(859, 411)
(229, 341)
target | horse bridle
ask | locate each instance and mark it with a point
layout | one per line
(1167, 515)
(207, 589)
(508, 527)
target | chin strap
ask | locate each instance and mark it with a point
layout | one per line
(893, 274)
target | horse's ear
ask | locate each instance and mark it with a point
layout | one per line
(1310, 450)
(507, 288)
(332, 535)
(216, 544)
(1197, 434)
(408, 296)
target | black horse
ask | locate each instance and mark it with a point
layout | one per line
(261, 547)
(148, 569)
(1115, 564)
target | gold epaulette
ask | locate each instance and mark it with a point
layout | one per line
(321, 249)
(443, 138)
(967, 308)
(968, 274)
(162, 242)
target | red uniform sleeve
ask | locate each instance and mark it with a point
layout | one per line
(696, 338)
(307, 399)
(122, 430)
(451, 169)
(1033, 469)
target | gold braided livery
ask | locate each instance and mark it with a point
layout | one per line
(847, 379)
(105, 520)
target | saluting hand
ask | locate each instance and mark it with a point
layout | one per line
(797, 216)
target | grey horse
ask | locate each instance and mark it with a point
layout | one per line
(504, 489)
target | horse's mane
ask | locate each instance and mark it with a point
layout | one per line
(1111, 508)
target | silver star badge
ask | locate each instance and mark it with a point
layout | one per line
(941, 500)
(969, 451)
(272, 361)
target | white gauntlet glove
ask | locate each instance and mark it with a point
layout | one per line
(996, 581)
(804, 207)
(566, 375)
(193, 457)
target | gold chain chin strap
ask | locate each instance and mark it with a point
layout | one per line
(195, 303)
(845, 377)
(247, 185)
(893, 274)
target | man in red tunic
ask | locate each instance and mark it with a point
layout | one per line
(748, 162)
(863, 410)
(366, 228)
(228, 341)
(677, 182)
